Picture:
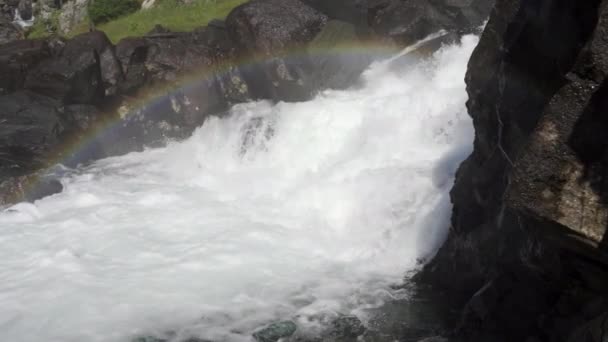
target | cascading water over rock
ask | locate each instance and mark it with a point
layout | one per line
(277, 211)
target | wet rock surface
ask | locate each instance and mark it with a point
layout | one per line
(525, 259)
(276, 331)
(409, 21)
(271, 32)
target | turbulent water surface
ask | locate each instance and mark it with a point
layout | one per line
(279, 211)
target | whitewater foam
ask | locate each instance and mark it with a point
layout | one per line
(278, 211)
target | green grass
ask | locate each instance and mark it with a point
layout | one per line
(166, 13)
(170, 15)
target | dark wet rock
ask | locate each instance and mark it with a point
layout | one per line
(275, 331)
(426, 312)
(269, 31)
(174, 116)
(110, 67)
(75, 76)
(28, 188)
(16, 59)
(592, 330)
(8, 31)
(132, 54)
(335, 60)
(526, 252)
(409, 21)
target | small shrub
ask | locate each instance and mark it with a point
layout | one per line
(44, 27)
(103, 11)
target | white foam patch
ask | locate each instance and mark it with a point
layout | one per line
(278, 211)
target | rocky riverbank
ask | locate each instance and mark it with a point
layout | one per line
(57, 93)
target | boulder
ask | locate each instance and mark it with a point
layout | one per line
(406, 22)
(33, 129)
(526, 251)
(164, 56)
(17, 58)
(272, 27)
(109, 65)
(8, 31)
(25, 9)
(75, 75)
(84, 71)
(269, 31)
(30, 128)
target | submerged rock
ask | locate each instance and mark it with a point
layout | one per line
(353, 12)
(275, 331)
(347, 327)
(25, 9)
(17, 59)
(31, 127)
(74, 77)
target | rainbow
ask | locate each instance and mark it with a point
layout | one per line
(71, 152)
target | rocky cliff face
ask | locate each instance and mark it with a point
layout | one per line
(526, 257)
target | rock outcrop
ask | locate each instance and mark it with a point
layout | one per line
(270, 32)
(526, 258)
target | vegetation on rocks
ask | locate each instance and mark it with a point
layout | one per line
(169, 14)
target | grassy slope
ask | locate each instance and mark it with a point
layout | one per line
(168, 14)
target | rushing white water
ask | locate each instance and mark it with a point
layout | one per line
(285, 211)
(23, 23)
